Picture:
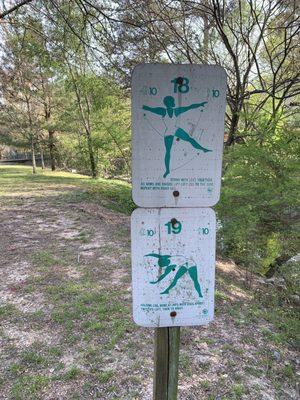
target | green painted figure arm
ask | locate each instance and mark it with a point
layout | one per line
(156, 110)
(181, 110)
(163, 260)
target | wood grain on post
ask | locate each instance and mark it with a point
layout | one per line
(166, 356)
(161, 357)
(174, 342)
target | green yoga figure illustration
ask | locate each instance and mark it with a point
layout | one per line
(164, 261)
(169, 115)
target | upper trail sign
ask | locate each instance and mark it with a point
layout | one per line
(178, 128)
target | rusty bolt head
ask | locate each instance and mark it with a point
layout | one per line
(174, 221)
(173, 313)
(179, 80)
(175, 193)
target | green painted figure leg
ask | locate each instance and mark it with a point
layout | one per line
(181, 134)
(167, 271)
(179, 274)
(194, 275)
(168, 144)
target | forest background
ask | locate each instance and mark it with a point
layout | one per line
(65, 71)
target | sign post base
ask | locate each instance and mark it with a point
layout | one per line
(166, 359)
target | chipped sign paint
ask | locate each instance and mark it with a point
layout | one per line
(173, 266)
(178, 129)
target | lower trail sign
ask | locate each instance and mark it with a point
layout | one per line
(173, 265)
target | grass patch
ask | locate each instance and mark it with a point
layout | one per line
(287, 323)
(47, 258)
(44, 258)
(238, 390)
(84, 236)
(185, 364)
(15, 369)
(205, 384)
(254, 371)
(288, 371)
(111, 193)
(106, 376)
(29, 357)
(84, 310)
(219, 295)
(233, 349)
(208, 341)
(29, 387)
(69, 375)
(8, 311)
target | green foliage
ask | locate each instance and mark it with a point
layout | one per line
(113, 192)
(291, 274)
(55, 100)
(285, 319)
(257, 209)
(109, 120)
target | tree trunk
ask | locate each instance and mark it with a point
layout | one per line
(205, 37)
(85, 115)
(233, 128)
(42, 157)
(33, 157)
(52, 150)
(91, 154)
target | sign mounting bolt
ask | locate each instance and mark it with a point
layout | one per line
(174, 221)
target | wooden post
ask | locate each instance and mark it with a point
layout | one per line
(161, 358)
(166, 358)
(174, 343)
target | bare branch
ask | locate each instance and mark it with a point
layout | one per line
(14, 8)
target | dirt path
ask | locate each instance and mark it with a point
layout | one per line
(66, 330)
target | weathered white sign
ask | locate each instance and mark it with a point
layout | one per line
(178, 129)
(173, 266)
